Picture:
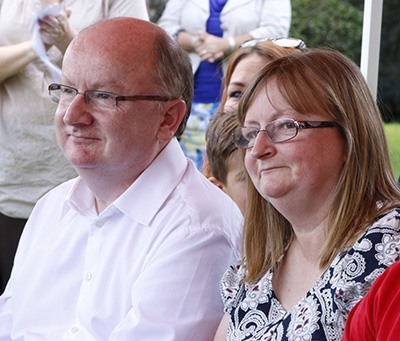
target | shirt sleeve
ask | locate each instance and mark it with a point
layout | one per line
(176, 297)
(376, 316)
(128, 8)
(170, 18)
(275, 19)
(5, 316)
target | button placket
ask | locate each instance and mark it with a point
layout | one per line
(99, 223)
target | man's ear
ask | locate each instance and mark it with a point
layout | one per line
(174, 112)
(216, 182)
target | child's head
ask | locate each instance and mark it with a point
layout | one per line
(225, 160)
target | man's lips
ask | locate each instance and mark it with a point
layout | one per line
(82, 137)
(270, 169)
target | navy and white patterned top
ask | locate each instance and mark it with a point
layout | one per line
(256, 313)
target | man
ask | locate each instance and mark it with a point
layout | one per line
(134, 248)
(30, 161)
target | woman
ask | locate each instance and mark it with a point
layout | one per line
(209, 31)
(323, 218)
(244, 63)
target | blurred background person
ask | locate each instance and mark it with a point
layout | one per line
(30, 160)
(247, 60)
(322, 219)
(209, 31)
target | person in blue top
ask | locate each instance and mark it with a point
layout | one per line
(209, 31)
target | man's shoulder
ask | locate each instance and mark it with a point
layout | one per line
(198, 189)
(198, 207)
(206, 204)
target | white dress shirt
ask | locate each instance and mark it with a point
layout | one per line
(147, 268)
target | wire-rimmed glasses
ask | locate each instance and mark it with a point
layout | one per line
(64, 95)
(283, 42)
(280, 130)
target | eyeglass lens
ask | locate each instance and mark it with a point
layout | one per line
(277, 131)
(64, 95)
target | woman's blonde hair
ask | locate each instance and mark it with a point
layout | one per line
(263, 48)
(327, 82)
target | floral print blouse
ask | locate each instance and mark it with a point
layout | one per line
(256, 313)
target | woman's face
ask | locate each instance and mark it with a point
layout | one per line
(241, 76)
(301, 171)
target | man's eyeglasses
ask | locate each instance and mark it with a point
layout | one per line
(277, 131)
(283, 42)
(64, 95)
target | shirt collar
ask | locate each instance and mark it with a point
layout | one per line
(144, 198)
(146, 195)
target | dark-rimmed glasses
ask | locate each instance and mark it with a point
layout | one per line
(283, 42)
(277, 131)
(64, 95)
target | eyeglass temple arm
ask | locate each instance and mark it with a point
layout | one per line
(142, 98)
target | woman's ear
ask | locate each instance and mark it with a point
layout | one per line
(173, 114)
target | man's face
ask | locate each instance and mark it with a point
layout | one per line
(120, 140)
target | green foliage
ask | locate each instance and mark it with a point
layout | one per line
(335, 24)
(393, 136)
(389, 62)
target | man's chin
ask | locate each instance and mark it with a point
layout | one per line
(82, 166)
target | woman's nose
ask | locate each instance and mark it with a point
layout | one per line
(263, 146)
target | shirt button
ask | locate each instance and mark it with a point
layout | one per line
(88, 276)
(74, 330)
(99, 223)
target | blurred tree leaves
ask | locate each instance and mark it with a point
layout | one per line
(335, 24)
(389, 62)
(338, 24)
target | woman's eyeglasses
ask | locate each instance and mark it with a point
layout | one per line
(277, 131)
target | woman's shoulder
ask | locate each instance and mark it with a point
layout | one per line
(387, 224)
(390, 219)
(381, 240)
(230, 285)
(235, 291)
(355, 269)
